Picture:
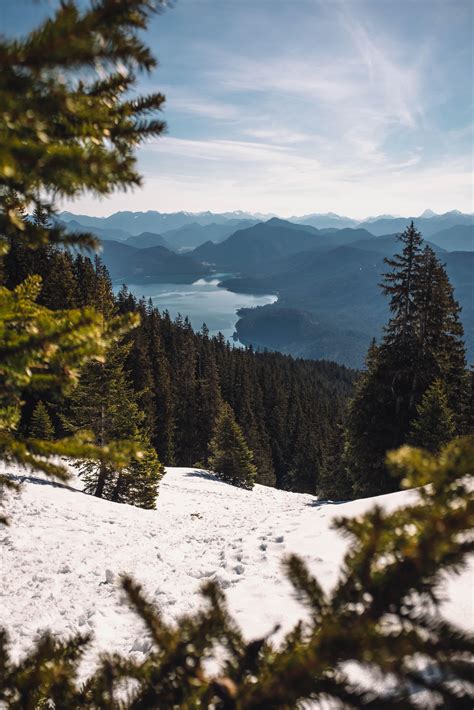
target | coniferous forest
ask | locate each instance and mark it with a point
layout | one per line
(110, 385)
(311, 426)
(172, 383)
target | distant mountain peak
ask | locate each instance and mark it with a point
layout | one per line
(428, 213)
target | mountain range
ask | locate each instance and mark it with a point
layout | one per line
(326, 278)
(204, 226)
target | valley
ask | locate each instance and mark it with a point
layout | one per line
(202, 302)
(307, 286)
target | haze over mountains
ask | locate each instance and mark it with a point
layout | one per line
(325, 270)
(122, 225)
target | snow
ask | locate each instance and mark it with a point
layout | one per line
(62, 557)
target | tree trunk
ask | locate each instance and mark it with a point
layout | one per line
(102, 468)
(101, 480)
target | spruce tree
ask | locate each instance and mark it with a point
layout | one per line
(104, 403)
(334, 482)
(230, 457)
(137, 483)
(435, 424)
(41, 426)
(82, 62)
(440, 335)
(422, 343)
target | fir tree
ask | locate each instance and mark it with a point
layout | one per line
(137, 484)
(41, 426)
(230, 457)
(399, 285)
(334, 482)
(77, 64)
(434, 425)
(422, 343)
(104, 403)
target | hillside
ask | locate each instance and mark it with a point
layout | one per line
(457, 238)
(62, 557)
(338, 293)
(153, 264)
(194, 234)
(428, 225)
(246, 250)
(148, 239)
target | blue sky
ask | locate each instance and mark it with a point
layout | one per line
(356, 106)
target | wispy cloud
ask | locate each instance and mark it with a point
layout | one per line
(395, 86)
(329, 105)
(188, 102)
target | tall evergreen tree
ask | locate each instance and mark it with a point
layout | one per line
(137, 483)
(50, 150)
(230, 457)
(422, 343)
(104, 403)
(334, 482)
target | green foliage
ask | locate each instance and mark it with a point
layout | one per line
(39, 350)
(41, 426)
(422, 343)
(67, 121)
(230, 457)
(334, 482)
(68, 125)
(378, 639)
(286, 408)
(137, 484)
(434, 425)
(105, 403)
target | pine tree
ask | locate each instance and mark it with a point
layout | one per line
(440, 335)
(334, 482)
(60, 288)
(399, 285)
(230, 457)
(104, 403)
(422, 343)
(41, 426)
(434, 425)
(78, 64)
(137, 484)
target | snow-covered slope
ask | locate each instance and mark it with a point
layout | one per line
(61, 558)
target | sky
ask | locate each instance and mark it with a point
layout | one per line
(358, 107)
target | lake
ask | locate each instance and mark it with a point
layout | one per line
(202, 301)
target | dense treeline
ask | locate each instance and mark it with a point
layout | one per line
(285, 408)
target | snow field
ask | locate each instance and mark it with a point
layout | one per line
(63, 554)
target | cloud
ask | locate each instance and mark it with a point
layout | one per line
(220, 150)
(345, 107)
(187, 102)
(395, 85)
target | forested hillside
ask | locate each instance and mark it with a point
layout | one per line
(286, 408)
